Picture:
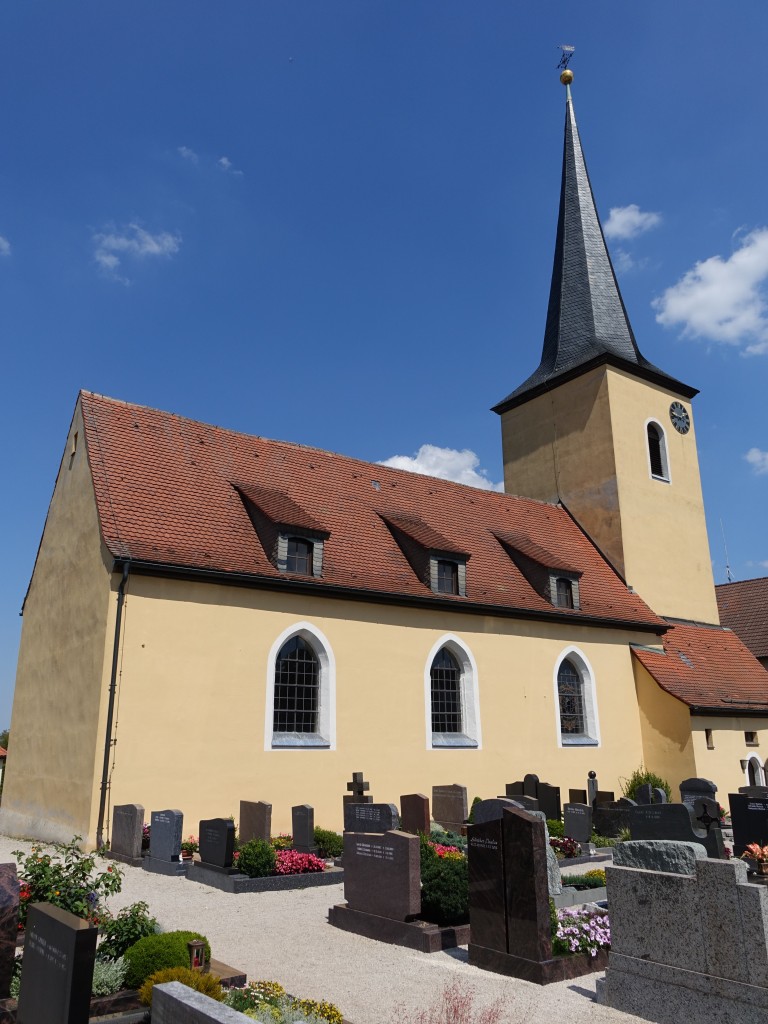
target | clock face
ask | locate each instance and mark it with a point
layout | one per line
(681, 421)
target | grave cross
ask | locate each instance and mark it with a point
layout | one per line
(702, 814)
(358, 787)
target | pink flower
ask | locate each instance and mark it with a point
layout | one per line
(290, 862)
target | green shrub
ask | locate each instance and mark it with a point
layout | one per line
(640, 777)
(257, 858)
(445, 890)
(154, 952)
(442, 835)
(555, 828)
(552, 917)
(130, 925)
(475, 802)
(205, 983)
(590, 880)
(69, 879)
(603, 842)
(329, 844)
(108, 976)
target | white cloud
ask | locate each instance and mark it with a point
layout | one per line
(111, 248)
(446, 463)
(226, 165)
(627, 222)
(758, 460)
(723, 299)
(188, 154)
(5, 246)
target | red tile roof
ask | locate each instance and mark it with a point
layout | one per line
(165, 492)
(744, 609)
(707, 667)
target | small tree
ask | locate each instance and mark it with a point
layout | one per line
(641, 777)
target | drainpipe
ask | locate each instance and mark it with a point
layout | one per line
(111, 707)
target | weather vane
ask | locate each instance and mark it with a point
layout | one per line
(567, 54)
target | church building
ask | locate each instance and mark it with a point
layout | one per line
(215, 616)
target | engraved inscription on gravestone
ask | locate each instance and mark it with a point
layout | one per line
(692, 789)
(57, 970)
(486, 883)
(165, 835)
(370, 818)
(749, 818)
(673, 821)
(577, 822)
(382, 875)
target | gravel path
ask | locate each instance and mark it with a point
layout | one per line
(285, 937)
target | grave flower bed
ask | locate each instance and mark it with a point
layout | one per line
(269, 1002)
(580, 931)
(565, 848)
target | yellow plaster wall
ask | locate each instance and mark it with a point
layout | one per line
(722, 765)
(665, 725)
(56, 738)
(192, 703)
(664, 531)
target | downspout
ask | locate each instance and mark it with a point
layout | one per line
(111, 707)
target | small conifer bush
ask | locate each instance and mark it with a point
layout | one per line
(155, 952)
(205, 983)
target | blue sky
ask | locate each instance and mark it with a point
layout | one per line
(332, 221)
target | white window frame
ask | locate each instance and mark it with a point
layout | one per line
(591, 736)
(471, 736)
(667, 478)
(760, 774)
(325, 736)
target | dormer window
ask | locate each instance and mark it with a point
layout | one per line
(299, 556)
(563, 592)
(447, 577)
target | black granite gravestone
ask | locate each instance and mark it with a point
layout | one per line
(644, 794)
(577, 796)
(165, 843)
(370, 818)
(577, 822)
(303, 825)
(127, 830)
(57, 970)
(217, 843)
(382, 874)
(673, 821)
(758, 791)
(611, 819)
(255, 820)
(749, 818)
(414, 813)
(547, 796)
(9, 925)
(706, 813)
(449, 806)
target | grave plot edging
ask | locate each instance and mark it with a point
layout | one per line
(238, 884)
(418, 935)
(545, 972)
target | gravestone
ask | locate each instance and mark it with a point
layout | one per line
(604, 796)
(217, 843)
(759, 791)
(577, 822)
(9, 925)
(127, 829)
(357, 790)
(611, 819)
(303, 828)
(414, 813)
(528, 803)
(673, 822)
(659, 795)
(547, 796)
(449, 806)
(577, 796)
(371, 818)
(509, 900)
(692, 788)
(255, 820)
(491, 810)
(57, 970)
(593, 789)
(706, 813)
(644, 794)
(382, 874)
(749, 819)
(165, 844)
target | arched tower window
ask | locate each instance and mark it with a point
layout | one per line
(445, 676)
(657, 452)
(297, 675)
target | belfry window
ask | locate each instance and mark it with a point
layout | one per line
(657, 452)
(570, 691)
(296, 688)
(446, 693)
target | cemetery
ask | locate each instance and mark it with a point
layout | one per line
(669, 922)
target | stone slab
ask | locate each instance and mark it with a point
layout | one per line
(749, 819)
(174, 1003)
(665, 995)
(419, 935)
(239, 883)
(414, 813)
(675, 822)
(379, 818)
(485, 853)
(126, 835)
(255, 821)
(382, 874)
(659, 855)
(165, 867)
(449, 806)
(577, 822)
(165, 834)
(303, 828)
(217, 842)
(543, 972)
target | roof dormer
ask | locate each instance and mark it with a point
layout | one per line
(293, 540)
(438, 562)
(548, 574)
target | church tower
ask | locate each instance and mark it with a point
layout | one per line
(601, 429)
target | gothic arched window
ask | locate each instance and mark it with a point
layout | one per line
(297, 686)
(445, 675)
(570, 691)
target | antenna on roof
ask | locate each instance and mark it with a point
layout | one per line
(728, 573)
(565, 57)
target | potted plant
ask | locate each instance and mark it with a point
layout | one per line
(189, 846)
(759, 854)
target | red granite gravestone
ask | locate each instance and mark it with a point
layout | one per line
(255, 820)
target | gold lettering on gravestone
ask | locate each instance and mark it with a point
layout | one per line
(375, 851)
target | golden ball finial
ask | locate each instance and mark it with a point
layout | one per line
(566, 77)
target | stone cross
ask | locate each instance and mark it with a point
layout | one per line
(357, 790)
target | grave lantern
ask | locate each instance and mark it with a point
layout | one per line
(196, 949)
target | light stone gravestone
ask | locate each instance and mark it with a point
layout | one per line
(688, 937)
(165, 844)
(255, 820)
(127, 829)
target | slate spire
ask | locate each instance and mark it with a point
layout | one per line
(587, 323)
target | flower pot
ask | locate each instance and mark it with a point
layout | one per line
(762, 867)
